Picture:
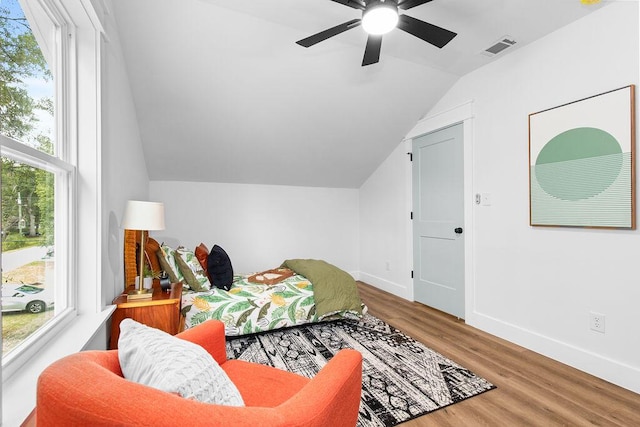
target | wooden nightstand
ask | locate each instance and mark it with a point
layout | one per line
(161, 312)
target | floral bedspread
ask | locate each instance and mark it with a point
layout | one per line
(248, 308)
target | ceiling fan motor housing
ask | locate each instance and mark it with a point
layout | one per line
(380, 16)
(387, 10)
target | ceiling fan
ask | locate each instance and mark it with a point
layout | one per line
(378, 18)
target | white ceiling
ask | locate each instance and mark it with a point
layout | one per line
(223, 93)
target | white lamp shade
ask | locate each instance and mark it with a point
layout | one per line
(140, 215)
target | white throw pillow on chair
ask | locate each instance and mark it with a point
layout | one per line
(152, 357)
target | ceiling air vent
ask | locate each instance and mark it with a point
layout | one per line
(502, 44)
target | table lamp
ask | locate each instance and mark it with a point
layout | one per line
(143, 216)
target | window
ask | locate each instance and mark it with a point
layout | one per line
(37, 187)
(70, 36)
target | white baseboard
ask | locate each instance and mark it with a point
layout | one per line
(386, 285)
(616, 372)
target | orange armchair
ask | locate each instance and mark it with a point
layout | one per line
(87, 388)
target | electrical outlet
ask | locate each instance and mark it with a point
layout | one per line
(596, 321)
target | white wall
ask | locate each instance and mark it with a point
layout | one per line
(536, 286)
(124, 173)
(385, 206)
(260, 226)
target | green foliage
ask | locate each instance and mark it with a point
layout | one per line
(248, 328)
(217, 313)
(18, 195)
(244, 316)
(263, 311)
(16, 241)
(200, 317)
(21, 59)
(240, 306)
(148, 272)
(44, 190)
(27, 194)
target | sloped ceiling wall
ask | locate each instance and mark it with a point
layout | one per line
(223, 94)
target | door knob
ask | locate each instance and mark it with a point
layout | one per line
(458, 230)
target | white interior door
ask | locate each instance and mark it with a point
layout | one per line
(438, 217)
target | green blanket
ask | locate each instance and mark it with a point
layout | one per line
(334, 290)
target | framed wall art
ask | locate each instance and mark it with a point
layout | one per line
(581, 162)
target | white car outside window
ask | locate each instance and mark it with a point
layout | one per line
(29, 298)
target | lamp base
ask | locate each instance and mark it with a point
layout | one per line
(136, 294)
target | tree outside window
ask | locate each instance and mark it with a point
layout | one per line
(28, 188)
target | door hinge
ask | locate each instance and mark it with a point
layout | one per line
(412, 274)
(410, 156)
(412, 215)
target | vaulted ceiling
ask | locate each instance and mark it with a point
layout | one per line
(223, 93)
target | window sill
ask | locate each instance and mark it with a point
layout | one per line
(19, 391)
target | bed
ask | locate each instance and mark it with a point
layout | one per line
(311, 291)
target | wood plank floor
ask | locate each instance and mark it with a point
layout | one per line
(532, 390)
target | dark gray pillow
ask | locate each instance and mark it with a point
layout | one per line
(219, 268)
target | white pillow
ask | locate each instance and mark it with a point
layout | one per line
(152, 357)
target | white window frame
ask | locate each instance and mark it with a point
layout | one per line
(58, 50)
(63, 228)
(69, 34)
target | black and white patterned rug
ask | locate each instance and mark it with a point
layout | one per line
(401, 378)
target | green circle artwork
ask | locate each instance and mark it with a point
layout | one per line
(579, 163)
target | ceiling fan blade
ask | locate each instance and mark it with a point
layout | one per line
(408, 4)
(372, 51)
(353, 3)
(430, 33)
(323, 35)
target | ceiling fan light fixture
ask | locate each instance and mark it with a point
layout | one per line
(380, 17)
